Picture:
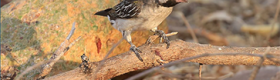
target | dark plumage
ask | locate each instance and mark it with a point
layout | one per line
(125, 9)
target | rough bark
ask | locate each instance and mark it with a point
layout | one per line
(154, 54)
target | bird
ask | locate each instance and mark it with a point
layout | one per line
(136, 15)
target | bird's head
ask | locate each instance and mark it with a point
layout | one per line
(170, 3)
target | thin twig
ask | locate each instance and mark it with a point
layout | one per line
(72, 43)
(54, 58)
(193, 78)
(271, 59)
(164, 72)
(59, 52)
(200, 70)
(185, 59)
(189, 27)
(257, 68)
(48, 66)
(71, 32)
(274, 20)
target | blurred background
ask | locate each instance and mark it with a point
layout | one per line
(31, 30)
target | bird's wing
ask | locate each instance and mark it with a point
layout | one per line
(126, 9)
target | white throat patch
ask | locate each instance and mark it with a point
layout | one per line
(113, 22)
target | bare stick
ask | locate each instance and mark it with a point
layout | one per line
(274, 20)
(48, 67)
(64, 46)
(54, 59)
(186, 59)
(271, 59)
(194, 78)
(199, 71)
(127, 62)
(189, 27)
(257, 68)
(71, 32)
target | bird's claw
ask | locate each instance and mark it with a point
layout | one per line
(163, 36)
(136, 51)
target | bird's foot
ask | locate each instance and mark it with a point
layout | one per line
(162, 36)
(136, 51)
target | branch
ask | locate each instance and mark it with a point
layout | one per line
(257, 68)
(64, 47)
(274, 20)
(189, 28)
(156, 54)
(152, 38)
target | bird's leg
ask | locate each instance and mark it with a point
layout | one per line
(127, 37)
(162, 35)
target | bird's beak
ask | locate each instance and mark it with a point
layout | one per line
(181, 0)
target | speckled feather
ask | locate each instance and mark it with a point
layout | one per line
(125, 9)
(138, 14)
(131, 8)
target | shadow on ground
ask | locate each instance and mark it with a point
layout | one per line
(21, 48)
